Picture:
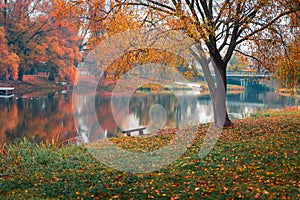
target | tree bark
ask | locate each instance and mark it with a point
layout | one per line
(219, 97)
(51, 76)
(20, 74)
(217, 91)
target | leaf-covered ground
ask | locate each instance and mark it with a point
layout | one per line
(257, 158)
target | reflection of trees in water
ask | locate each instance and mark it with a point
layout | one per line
(41, 118)
(178, 110)
(8, 118)
(272, 100)
(189, 110)
(105, 124)
(105, 117)
(253, 101)
(46, 117)
(140, 106)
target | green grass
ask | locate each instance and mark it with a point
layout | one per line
(257, 158)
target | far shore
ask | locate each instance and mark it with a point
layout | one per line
(38, 85)
(30, 85)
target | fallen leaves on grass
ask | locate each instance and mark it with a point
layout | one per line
(258, 158)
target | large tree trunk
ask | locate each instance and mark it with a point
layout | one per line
(219, 98)
(20, 74)
(217, 91)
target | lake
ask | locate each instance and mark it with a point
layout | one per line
(64, 116)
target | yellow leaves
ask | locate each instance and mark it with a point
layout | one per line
(121, 184)
(268, 173)
(241, 168)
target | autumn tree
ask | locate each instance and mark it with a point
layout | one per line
(40, 40)
(237, 62)
(281, 59)
(278, 52)
(21, 28)
(220, 27)
(9, 62)
(61, 52)
(287, 66)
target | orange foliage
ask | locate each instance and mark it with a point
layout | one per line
(288, 67)
(9, 62)
(70, 74)
(39, 41)
(146, 56)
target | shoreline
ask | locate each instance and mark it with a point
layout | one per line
(22, 87)
(38, 85)
(287, 111)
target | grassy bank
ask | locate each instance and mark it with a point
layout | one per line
(257, 158)
(31, 84)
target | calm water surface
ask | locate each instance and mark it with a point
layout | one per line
(88, 118)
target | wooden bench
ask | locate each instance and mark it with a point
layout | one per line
(140, 130)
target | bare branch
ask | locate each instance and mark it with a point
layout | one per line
(172, 12)
(247, 55)
(220, 13)
(200, 10)
(162, 5)
(265, 26)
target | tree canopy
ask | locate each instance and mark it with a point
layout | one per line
(43, 34)
(220, 27)
(36, 41)
(9, 62)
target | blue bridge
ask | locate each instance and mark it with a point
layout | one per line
(245, 78)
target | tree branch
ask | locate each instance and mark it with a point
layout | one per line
(247, 55)
(265, 26)
(162, 5)
(220, 13)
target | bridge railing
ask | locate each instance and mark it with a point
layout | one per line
(243, 73)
